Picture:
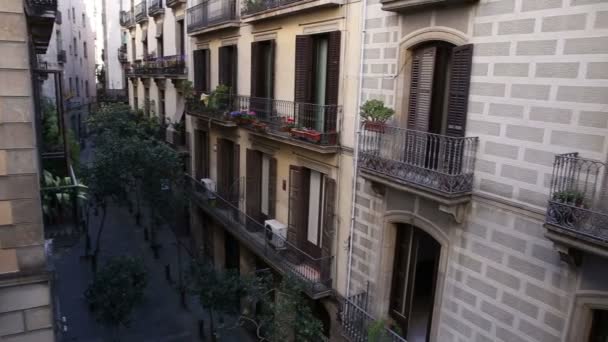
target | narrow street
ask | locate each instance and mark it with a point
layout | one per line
(160, 318)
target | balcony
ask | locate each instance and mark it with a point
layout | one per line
(212, 15)
(122, 54)
(577, 213)
(141, 12)
(174, 3)
(357, 322)
(304, 125)
(127, 20)
(168, 66)
(61, 57)
(41, 15)
(435, 166)
(314, 273)
(258, 10)
(155, 7)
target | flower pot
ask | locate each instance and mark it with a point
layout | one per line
(308, 135)
(375, 126)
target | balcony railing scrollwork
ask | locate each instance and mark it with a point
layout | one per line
(578, 203)
(141, 12)
(210, 13)
(302, 122)
(155, 7)
(168, 66)
(251, 7)
(282, 254)
(356, 321)
(174, 3)
(127, 19)
(436, 162)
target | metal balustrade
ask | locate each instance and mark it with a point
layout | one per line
(127, 19)
(314, 273)
(440, 163)
(305, 122)
(356, 321)
(251, 7)
(122, 54)
(141, 11)
(158, 66)
(210, 13)
(37, 7)
(173, 3)
(578, 200)
(155, 7)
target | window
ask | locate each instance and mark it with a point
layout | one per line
(86, 88)
(228, 60)
(599, 326)
(135, 97)
(133, 50)
(147, 101)
(161, 104)
(71, 86)
(73, 15)
(75, 47)
(261, 185)
(84, 20)
(262, 77)
(202, 154)
(77, 87)
(84, 50)
(179, 41)
(228, 155)
(311, 203)
(414, 280)
(201, 70)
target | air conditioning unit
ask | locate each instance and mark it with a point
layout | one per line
(209, 185)
(276, 233)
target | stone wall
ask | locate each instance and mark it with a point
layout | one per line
(25, 313)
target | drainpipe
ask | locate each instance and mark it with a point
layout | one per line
(356, 152)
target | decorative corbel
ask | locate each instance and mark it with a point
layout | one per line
(458, 211)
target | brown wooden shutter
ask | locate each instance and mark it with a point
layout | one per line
(224, 66)
(272, 188)
(234, 60)
(333, 80)
(199, 72)
(304, 71)
(458, 96)
(220, 168)
(255, 58)
(236, 173)
(329, 227)
(296, 174)
(202, 154)
(253, 182)
(207, 79)
(421, 88)
(273, 48)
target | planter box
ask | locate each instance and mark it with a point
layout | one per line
(375, 126)
(311, 136)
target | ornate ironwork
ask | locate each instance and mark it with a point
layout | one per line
(173, 3)
(141, 12)
(251, 7)
(356, 320)
(155, 7)
(315, 273)
(437, 162)
(127, 19)
(579, 197)
(209, 13)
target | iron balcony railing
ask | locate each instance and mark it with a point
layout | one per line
(251, 7)
(306, 122)
(141, 12)
(210, 13)
(173, 3)
(39, 7)
(61, 57)
(315, 273)
(126, 19)
(440, 163)
(155, 7)
(122, 54)
(578, 202)
(159, 66)
(357, 322)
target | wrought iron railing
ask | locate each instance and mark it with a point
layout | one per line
(127, 19)
(209, 13)
(141, 11)
(306, 122)
(250, 7)
(172, 3)
(155, 7)
(437, 162)
(38, 7)
(61, 56)
(158, 66)
(122, 54)
(357, 322)
(578, 200)
(315, 273)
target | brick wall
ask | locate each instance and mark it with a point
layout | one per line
(25, 312)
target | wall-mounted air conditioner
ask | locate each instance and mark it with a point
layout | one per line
(276, 233)
(210, 187)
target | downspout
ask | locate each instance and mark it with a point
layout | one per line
(356, 152)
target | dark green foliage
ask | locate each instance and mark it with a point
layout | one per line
(376, 111)
(116, 289)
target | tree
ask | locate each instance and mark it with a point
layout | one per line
(116, 290)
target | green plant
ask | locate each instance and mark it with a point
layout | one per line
(570, 196)
(253, 6)
(186, 88)
(116, 289)
(375, 111)
(59, 195)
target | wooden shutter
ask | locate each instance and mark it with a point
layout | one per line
(328, 226)
(224, 66)
(273, 48)
(255, 61)
(236, 155)
(421, 88)
(333, 80)
(272, 187)
(253, 182)
(221, 168)
(295, 194)
(460, 81)
(304, 71)
(234, 60)
(199, 71)
(202, 154)
(206, 86)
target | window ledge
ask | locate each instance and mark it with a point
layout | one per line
(405, 5)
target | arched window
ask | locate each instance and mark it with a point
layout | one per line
(414, 281)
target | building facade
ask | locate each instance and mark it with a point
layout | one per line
(25, 300)
(72, 50)
(112, 53)
(480, 212)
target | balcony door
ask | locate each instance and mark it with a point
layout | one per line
(317, 80)
(261, 182)
(415, 271)
(228, 67)
(228, 155)
(262, 78)
(201, 154)
(201, 70)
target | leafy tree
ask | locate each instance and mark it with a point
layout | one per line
(116, 290)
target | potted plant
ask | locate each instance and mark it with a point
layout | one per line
(287, 124)
(259, 126)
(307, 134)
(570, 197)
(243, 117)
(375, 114)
